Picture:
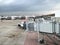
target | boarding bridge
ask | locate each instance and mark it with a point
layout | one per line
(45, 26)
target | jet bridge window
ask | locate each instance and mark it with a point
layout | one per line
(31, 26)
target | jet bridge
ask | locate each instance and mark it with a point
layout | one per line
(41, 25)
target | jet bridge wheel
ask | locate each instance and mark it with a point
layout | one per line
(41, 41)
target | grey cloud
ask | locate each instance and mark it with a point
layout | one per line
(29, 5)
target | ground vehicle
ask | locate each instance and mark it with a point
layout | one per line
(22, 25)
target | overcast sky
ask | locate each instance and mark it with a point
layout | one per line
(29, 5)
